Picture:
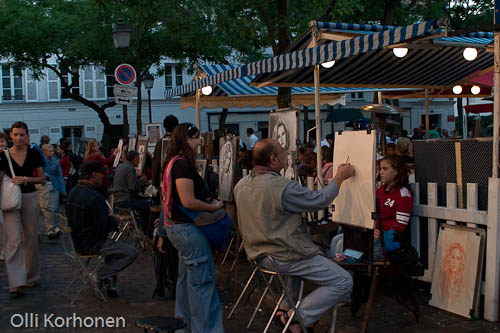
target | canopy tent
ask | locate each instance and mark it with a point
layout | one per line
(380, 37)
(345, 114)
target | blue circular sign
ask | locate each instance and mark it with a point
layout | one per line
(125, 74)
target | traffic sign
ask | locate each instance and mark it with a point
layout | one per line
(125, 74)
(124, 91)
(123, 100)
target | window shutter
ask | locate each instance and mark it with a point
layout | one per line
(52, 85)
(100, 83)
(88, 77)
(31, 87)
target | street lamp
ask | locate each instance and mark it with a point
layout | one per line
(121, 39)
(149, 81)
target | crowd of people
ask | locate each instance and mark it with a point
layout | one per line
(269, 203)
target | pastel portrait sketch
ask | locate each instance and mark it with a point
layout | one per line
(226, 171)
(452, 272)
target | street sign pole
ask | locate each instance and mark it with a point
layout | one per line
(126, 75)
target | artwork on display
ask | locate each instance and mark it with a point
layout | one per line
(131, 143)
(142, 149)
(164, 148)
(284, 127)
(119, 155)
(457, 270)
(227, 163)
(201, 166)
(355, 203)
(290, 170)
(154, 132)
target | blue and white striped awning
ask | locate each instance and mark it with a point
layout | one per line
(241, 87)
(315, 55)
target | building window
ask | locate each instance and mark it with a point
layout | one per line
(173, 72)
(53, 88)
(94, 83)
(357, 96)
(12, 84)
(71, 79)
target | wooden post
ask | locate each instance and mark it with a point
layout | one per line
(451, 199)
(472, 199)
(317, 108)
(432, 227)
(415, 220)
(492, 275)
(198, 95)
(496, 103)
(458, 162)
(427, 135)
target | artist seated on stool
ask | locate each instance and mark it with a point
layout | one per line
(126, 187)
(90, 223)
(269, 208)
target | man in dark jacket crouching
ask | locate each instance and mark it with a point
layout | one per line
(90, 223)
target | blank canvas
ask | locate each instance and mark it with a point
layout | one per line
(355, 202)
(458, 264)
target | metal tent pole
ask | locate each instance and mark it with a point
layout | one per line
(427, 134)
(198, 95)
(496, 104)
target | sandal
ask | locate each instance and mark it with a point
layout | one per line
(16, 292)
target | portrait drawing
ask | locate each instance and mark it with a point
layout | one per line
(283, 127)
(201, 167)
(289, 171)
(142, 149)
(458, 264)
(227, 159)
(153, 131)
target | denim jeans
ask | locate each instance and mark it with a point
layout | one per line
(118, 257)
(333, 283)
(197, 299)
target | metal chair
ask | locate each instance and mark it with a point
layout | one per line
(157, 324)
(87, 265)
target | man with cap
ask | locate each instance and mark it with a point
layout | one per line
(90, 223)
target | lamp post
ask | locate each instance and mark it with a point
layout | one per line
(121, 39)
(149, 81)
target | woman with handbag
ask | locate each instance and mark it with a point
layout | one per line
(197, 300)
(20, 163)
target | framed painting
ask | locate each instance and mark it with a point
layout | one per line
(284, 127)
(119, 155)
(355, 203)
(132, 142)
(154, 132)
(227, 164)
(201, 167)
(164, 149)
(290, 170)
(457, 270)
(142, 149)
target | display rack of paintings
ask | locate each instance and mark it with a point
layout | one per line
(355, 203)
(456, 281)
(142, 149)
(284, 127)
(227, 163)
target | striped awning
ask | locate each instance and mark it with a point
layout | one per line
(436, 62)
(308, 57)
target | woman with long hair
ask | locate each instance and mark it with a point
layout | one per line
(452, 272)
(197, 300)
(21, 226)
(93, 152)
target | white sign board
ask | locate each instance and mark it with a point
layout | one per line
(355, 202)
(124, 91)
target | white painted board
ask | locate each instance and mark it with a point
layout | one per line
(355, 202)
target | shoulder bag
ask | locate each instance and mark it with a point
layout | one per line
(11, 193)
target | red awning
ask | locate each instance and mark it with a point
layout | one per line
(479, 108)
(485, 79)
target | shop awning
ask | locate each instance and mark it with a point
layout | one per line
(479, 108)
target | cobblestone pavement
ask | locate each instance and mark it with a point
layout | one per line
(136, 285)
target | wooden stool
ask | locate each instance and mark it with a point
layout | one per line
(158, 323)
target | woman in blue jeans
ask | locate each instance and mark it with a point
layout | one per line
(197, 300)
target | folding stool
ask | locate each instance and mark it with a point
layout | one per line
(87, 264)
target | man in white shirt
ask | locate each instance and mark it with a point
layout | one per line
(252, 138)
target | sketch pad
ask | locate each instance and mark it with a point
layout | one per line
(355, 202)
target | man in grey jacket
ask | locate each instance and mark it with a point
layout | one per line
(269, 208)
(126, 187)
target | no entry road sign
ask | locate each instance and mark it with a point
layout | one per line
(125, 74)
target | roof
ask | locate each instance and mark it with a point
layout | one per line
(433, 61)
(307, 57)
